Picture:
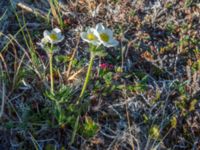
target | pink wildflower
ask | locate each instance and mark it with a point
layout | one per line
(105, 66)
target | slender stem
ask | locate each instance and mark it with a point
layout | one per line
(92, 56)
(87, 76)
(58, 112)
(51, 69)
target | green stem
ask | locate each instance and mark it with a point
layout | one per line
(58, 112)
(51, 69)
(87, 76)
(92, 56)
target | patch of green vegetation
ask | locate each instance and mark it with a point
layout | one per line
(62, 97)
(36, 93)
(89, 128)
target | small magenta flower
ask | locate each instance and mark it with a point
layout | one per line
(105, 66)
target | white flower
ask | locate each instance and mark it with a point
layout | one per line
(90, 37)
(53, 37)
(99, 35)
(105, 36)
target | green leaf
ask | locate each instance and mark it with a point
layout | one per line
(90, 128)
(108, 78)
(100, 53)
(62, 59)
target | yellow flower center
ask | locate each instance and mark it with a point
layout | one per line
(104, 37)
(53, 36)
(91, 37)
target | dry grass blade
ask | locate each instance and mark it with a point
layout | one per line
(3, 92)
(73, 77)
(53, 10)
(33, 10)
(72, 58)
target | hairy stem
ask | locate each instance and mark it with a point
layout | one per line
(87, 76)
(51, 69)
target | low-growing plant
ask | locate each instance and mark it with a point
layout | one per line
(90, 128)
(65, 111)
(48, 44)
(96, 37)
(63, 108)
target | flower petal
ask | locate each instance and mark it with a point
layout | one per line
(84, 36)
(113, 42)
(106, 44)
(96, 33)
(59, 40)
(56, 30)
(49, 39)
(99, 27)
(44, 40)
(109, 33)
(46, 33)
(91, 30)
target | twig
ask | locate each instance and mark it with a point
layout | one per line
(72, 58)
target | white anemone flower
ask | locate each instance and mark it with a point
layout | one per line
(90, 37)
(105, 36)
(53, 37)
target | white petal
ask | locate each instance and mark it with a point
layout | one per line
(113, 42)
(60, 37)
(46, 33)
(49, 39)
(59, 40)
(56, 30)
(58, 34)
(44, 40)
(100, 27)
(91, 30)
(94, 42)
(84, 35)
(109, 32)
(96, 33)
(106, 44)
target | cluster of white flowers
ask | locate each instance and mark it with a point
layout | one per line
(99, 35)
(96, 36)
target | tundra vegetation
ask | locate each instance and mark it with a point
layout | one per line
(100, 74)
